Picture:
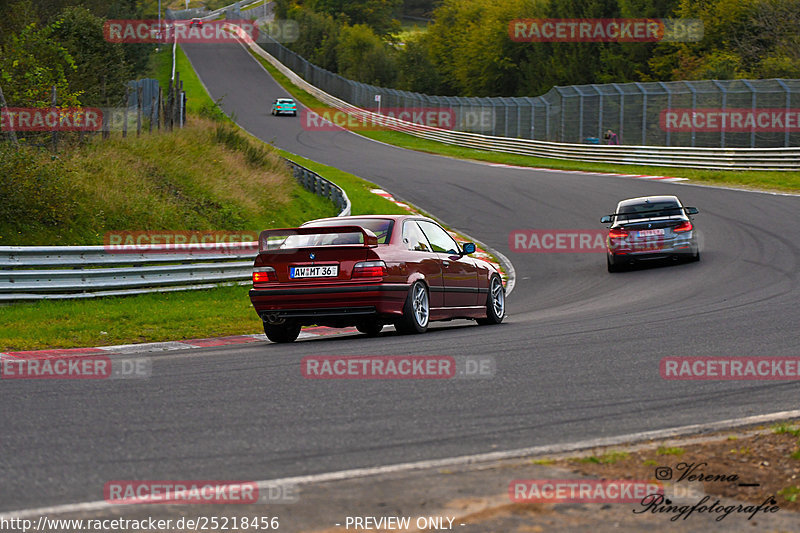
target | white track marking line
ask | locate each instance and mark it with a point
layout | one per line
(447, 462)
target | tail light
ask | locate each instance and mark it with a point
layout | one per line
(683, 226)
(617, 233)
(369, 269)
(264, 275)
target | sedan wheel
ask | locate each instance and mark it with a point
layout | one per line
(282, 333)
(495, 303)
(613, 267)
(370, 328)
(416, 311)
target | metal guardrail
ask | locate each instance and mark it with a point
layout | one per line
(322, 187)
(780, 159)
(69, 272)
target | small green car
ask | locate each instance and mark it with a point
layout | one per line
(284, 105)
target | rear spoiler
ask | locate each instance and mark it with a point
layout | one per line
(688, 210)
(272, 240)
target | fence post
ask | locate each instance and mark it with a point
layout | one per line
(152, 113)
(125, 113)
(788, 104)
(138, 110)
(55, 129)
(724, 92)
(168, 110)
(160, 117)
(694, 111)
(753, 105)
(599, 113)
(181, 104)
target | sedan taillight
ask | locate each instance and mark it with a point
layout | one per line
(264, 275)
(369, 269)
(617, 233)
(683, 226)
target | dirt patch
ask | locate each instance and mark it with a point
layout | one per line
(747, 467)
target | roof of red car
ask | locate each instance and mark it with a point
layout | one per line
(356, 217)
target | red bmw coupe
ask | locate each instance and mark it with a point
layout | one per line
(369, 271)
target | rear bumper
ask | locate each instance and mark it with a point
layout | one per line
(676, 246)
(344, 303)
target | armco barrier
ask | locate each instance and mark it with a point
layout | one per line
(61, 272)
(785, 159)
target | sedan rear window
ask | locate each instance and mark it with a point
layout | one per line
(381, 227)
(649, 210)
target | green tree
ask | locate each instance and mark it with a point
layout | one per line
(363, 56)
(416, 71)
(101, 70)
(30, 64)
(380, 15)
(318, 39)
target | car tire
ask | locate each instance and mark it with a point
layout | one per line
(495, 303)
(282, 333)
(416, 311)
(612, 267)
(370, 328)
(294, 113)
(696, 256)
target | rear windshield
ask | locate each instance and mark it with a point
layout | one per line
(648, 210)
(285, 101)
(381, 227)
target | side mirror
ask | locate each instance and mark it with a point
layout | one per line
(606, 219)
(691, 211)
(468, 248)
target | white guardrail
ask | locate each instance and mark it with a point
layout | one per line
(779, 159)
(62, 272)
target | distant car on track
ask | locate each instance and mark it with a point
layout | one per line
(369, 271)
(284, 106)
(650, 228)
(195, 22)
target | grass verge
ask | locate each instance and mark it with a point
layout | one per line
(206, 176)
(762, 180)
(122, 320)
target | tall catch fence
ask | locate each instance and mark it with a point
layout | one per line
(708, 113)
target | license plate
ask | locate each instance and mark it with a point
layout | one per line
(323, 271)
(651, 232)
